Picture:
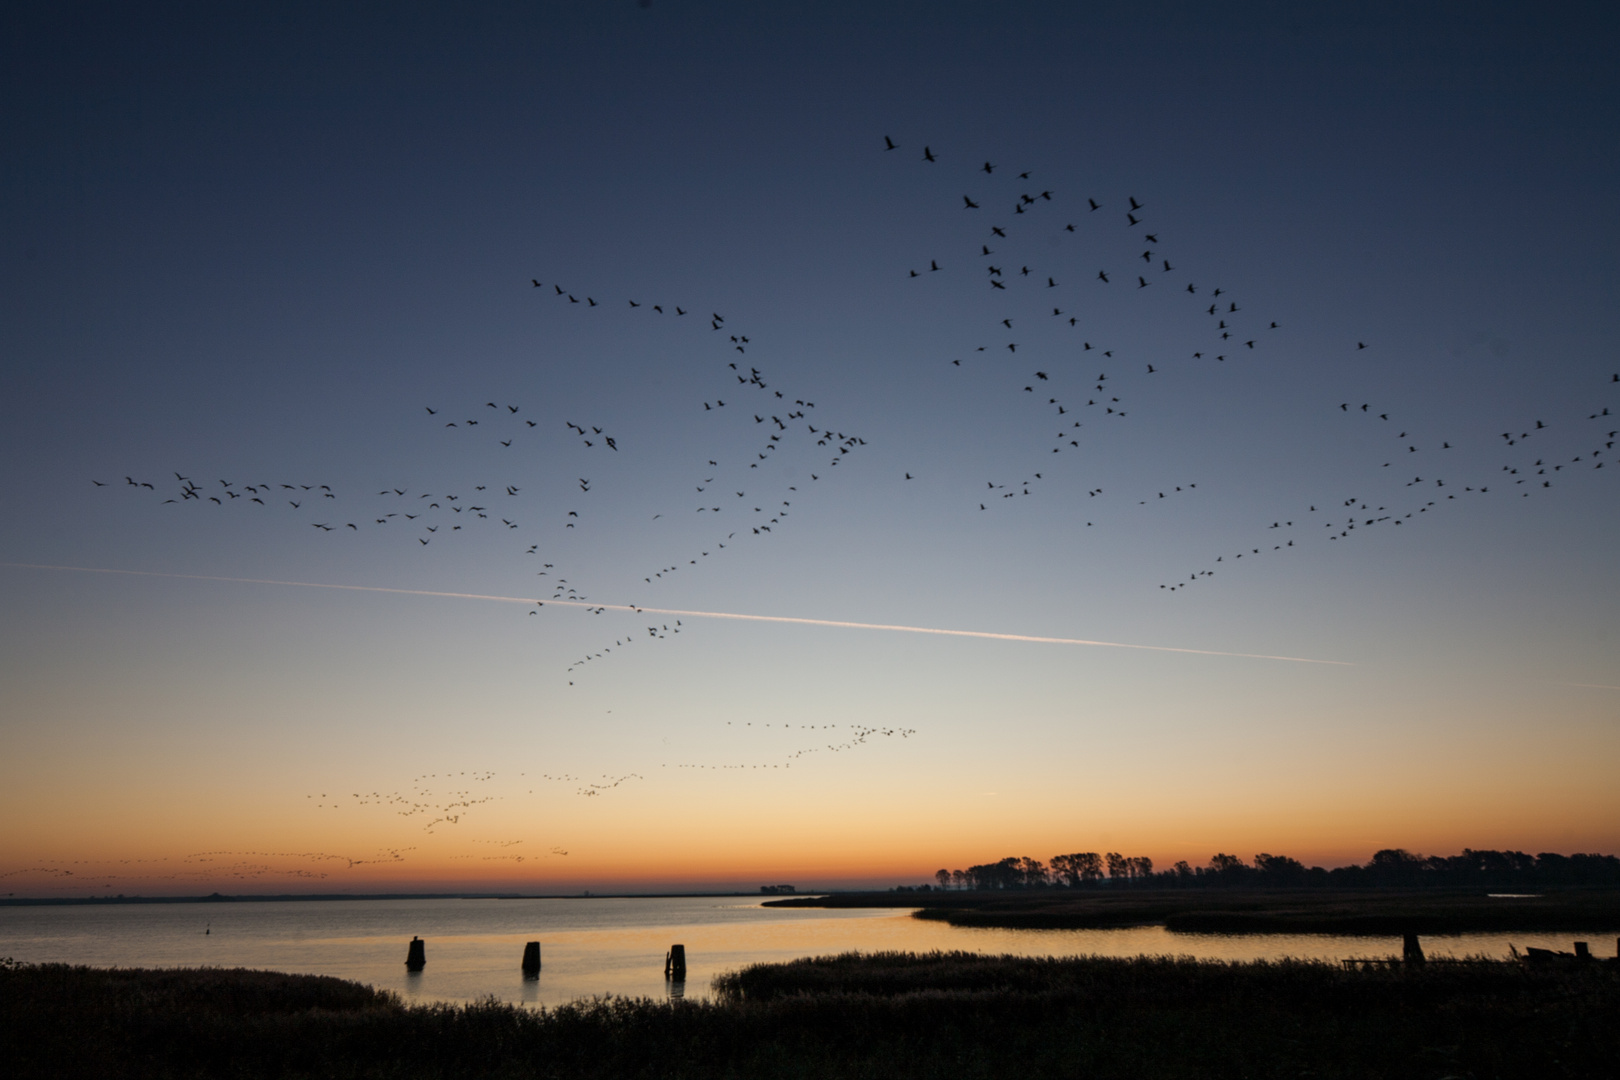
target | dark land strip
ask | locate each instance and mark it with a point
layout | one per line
(1379, 912)
(883, 1015)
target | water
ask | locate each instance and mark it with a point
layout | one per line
(596, 946)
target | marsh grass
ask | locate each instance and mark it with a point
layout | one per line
(879, 1015)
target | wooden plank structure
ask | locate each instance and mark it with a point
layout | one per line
(675, 963)
(1583, 953)
(1412, 953)
(416, 956)
(531, 960)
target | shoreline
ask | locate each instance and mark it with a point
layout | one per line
(1371, 912)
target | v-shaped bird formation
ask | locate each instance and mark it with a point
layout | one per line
(1044, 260)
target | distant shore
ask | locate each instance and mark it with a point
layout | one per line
(219, 898)
(889, 1014)
(1380, 912)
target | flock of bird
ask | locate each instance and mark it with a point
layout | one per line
(1233, 333)
(438, 516)
(859, 734)
(444, 799)
(1080, 391)
(203, 866)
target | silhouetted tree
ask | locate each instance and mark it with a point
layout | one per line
(1503, 864)
(1388, 867)
(1278, 869)
(1006, 874)
(1078, 868)
(1395, 866)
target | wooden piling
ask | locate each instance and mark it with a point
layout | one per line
(416, 958)
(531, 959)
(1583, 951)
(1411, 951)
(675, 963)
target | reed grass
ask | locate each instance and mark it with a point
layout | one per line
(882, 1015)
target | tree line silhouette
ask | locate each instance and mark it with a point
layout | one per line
(1391, 867)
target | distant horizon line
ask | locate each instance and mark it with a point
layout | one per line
(249, 898)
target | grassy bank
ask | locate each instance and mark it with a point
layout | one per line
(1304, 911)
(886, 1015)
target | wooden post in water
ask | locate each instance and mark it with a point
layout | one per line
(1583, 951)
(416, 958)
(1411, 951)
(675, 963)
(531, 959)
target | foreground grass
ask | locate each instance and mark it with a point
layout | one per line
(883, 1015)
(1298, 911)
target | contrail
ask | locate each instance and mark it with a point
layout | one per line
(693, 614)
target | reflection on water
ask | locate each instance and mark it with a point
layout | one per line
(600, 946)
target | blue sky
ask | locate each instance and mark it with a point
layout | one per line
(257, 247)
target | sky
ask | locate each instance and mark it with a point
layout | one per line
(274, 262)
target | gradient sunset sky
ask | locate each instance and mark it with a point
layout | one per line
(255, 248)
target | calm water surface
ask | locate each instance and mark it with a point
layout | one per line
(594, 946)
